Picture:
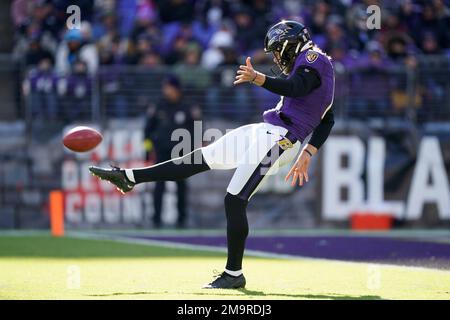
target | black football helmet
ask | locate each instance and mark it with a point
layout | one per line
(287, 37)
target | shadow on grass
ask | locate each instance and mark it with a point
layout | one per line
(331, 296)
(250, 293)
(125, 294)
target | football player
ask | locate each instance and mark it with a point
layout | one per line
(306, 87)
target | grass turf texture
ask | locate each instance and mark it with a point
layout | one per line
(39, 267)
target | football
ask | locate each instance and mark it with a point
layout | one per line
(82, 139)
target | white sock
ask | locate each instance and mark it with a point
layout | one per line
(234, 273)
(130, 175)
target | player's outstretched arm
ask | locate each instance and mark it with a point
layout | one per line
(299, 170)
(301, 83)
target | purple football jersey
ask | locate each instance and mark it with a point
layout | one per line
(306, 112)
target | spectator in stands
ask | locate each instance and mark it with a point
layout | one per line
(140, 48)
(335, 36)
(19, 12)
(145, 19)
(409, 15)
(319, 19)
(435, 20)
(245, 31)
(39, 87)
(77, 98)
(176, 10)
(343, 59)
(397, 46)
(75, 48)
(430, 44)
(36, 53)
(215, 54)
(33, 31)
(177, 52)
(371, 84)
(42, 13)
(110, 52)
(230, 57)
(150, 59)
(215, 11)
(106, 28)
(356, 31)
(189, 71)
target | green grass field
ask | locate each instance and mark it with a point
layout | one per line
(41, 267)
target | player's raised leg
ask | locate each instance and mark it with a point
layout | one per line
(223, 154)
(170, 170)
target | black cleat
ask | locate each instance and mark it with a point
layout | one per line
(116, 176)
(226, 281)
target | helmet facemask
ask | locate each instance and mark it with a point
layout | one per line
(285, 56)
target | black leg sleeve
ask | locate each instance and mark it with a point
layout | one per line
(173, 169)
(237, 230)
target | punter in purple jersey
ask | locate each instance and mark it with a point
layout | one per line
(257, 150)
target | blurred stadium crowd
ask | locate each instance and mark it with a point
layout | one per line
(217, 33)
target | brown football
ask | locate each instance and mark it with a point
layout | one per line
(82, 139)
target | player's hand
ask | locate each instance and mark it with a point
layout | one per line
(299, 170)
(245, 73)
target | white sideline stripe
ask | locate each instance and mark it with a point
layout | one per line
(148, 242)
(255, 253)
(417, 235)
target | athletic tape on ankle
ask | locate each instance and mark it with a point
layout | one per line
(234, 273)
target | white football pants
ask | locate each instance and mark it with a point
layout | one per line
(255, 151)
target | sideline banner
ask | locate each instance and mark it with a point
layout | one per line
(392, 171)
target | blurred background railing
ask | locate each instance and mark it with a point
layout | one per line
(420, 93)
